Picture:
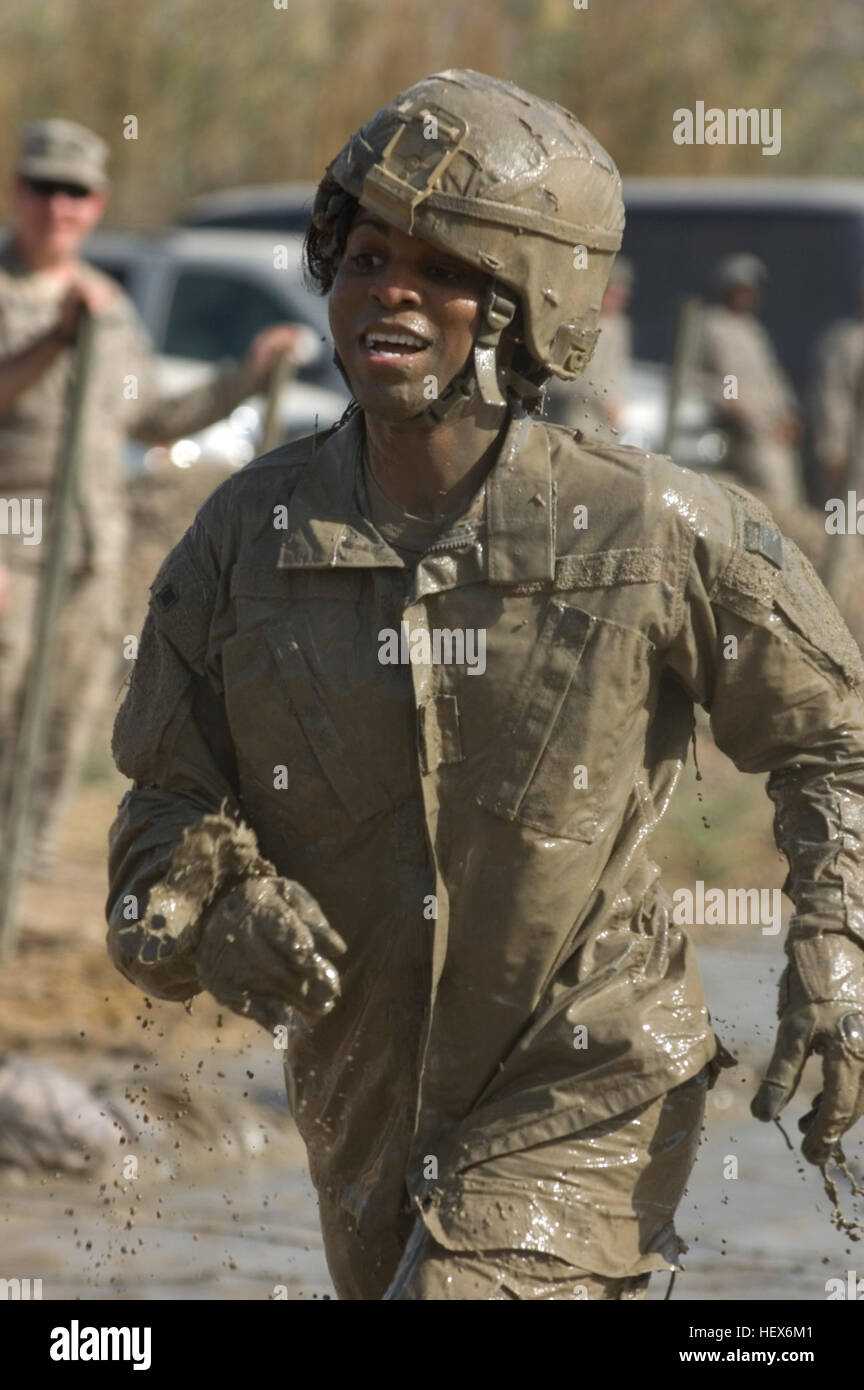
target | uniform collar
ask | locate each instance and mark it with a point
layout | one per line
(325, 527)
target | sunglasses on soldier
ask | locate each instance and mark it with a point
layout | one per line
(46, 188)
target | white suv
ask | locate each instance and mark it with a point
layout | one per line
(203, 296)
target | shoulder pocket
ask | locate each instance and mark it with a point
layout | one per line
(803, 599)
(768, 573)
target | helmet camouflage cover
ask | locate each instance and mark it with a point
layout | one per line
(514, 185)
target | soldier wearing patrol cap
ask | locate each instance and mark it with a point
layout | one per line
(755, 402)
(397, 758)
(58, 196)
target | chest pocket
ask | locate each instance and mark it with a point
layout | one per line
(294, 764)
(575, 723)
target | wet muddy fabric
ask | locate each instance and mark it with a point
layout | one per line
(603, 1200)
(479, 838)
(410, 536)
(429, 1273)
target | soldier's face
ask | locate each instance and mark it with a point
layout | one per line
(744, 299)
(389, 286)
(49, 224)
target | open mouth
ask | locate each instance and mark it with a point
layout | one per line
(391, 347)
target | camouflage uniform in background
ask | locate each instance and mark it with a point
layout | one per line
(735, 344)
(836, 406)
(480, 841)
(89, 642)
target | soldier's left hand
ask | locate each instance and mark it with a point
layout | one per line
(821, 1011)
(266, 347)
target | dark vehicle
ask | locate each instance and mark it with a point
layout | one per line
(809, 233)
(276, 207)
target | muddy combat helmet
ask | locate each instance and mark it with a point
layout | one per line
(510, 183)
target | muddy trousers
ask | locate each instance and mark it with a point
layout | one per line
(429, 1272)
(626, 1178)
(83, 677)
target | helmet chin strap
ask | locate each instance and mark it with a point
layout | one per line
(480, 380)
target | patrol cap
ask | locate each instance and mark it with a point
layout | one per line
(63, 151)
(743, 269)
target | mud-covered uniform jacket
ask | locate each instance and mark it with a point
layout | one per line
(480, 838)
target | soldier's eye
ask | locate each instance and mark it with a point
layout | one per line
(365, 260)
(446, 272)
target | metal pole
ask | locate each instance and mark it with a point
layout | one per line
(282, 373)
(31, 734)
(685, 323)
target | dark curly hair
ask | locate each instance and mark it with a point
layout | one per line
(327, 233)
(323, 248)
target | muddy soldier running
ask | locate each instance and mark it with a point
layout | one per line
(432, 880)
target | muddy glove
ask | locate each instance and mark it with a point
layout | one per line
(821, 1009)
(264, 950)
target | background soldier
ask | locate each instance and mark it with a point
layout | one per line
(754, 400)
(501, 1087)
(58, 197)
(836, 405)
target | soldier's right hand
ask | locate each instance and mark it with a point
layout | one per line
(82, 294)
(265, 949)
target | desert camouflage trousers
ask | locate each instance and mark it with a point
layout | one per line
(83, 679)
